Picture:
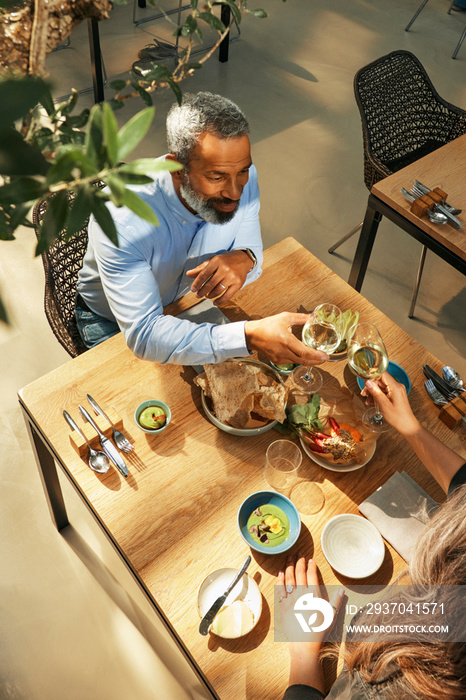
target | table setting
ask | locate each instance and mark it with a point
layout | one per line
(180, 518)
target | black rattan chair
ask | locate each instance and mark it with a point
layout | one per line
(403, 119)
(62, 262)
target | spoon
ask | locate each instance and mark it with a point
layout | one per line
(452, 378)
(98, 460)
(437, 217)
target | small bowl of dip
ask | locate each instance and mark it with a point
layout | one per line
(152, 416)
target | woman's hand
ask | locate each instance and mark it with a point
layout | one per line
(392, 399)
(305, 666)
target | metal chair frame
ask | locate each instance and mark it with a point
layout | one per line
(419, 10)
(403, 118)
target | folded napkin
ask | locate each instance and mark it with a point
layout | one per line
(399, 509)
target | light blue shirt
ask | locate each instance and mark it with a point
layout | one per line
(132, 283)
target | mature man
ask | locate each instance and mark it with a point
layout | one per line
(208, 241)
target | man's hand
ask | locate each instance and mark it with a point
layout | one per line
(273, 337)
(221, 276)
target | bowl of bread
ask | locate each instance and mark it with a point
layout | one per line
(242, 397)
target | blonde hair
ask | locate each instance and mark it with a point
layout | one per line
(428, 670)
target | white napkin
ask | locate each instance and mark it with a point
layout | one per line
(399, 509)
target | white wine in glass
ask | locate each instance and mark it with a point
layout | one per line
(321, 332)
(368, 359)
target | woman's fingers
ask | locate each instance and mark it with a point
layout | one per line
(290, 579)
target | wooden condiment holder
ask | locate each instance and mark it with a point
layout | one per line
(80, 445)
(451, 414)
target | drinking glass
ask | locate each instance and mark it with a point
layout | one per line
(368, 359)
(322, 332)
(282, 461)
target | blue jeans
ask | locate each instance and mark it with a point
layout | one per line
(93, 329)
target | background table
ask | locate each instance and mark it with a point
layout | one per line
(444, 168)
(174, 519)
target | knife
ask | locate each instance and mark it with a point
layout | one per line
(452, 220)
(426, 190)
(107, 446)
(213, 610)
(441, 384)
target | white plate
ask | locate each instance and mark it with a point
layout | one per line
(350, 467)
(216, 584)
(244, 432)
(352, 545)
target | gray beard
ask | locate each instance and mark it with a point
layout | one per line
(203, 207)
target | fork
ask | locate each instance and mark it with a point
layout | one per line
(121, 440)
(416, 192)
(434, 393)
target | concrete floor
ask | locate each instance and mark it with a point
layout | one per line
(73, 622)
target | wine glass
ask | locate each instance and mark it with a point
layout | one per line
(368, 359)
(322, 332)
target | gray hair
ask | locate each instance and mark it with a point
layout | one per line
(200, 112)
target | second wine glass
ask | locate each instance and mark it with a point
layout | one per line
(368, 359)
(321, 332)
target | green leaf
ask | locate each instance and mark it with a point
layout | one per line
(80, 212)
(132, 133)
(140, 207)
(142, 166)
(118, 84)
(22, 190)
(213, 21)
(146, 98)
(153, 72)
(194, 4)
(233, 7)
(18, 157)
(18, 97)
(110, 133)
(115, 104)
(18, 216)
(176, 89)
(79, 120)
(80, 159)
(189, 27)
(54, 221)
(262, 14)
(133, 179)
(104, 218)
(117, 188)
(68, 106)
(62, 169)
(46, 100)
(93, 141)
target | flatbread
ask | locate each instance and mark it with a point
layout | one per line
(238, 389)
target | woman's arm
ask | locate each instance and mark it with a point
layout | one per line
(392, 399)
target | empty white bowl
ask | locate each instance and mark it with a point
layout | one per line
(352, 545)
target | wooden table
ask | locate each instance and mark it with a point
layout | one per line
(174, 519)
(444, 168)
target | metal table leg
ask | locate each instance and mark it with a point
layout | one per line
(365, 243)
(96, 60)
(49, 476)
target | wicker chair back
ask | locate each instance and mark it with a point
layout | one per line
(62, 262)
(403, 116)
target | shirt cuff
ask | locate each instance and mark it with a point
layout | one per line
(303, 692)
(458, 480)
(230, 341)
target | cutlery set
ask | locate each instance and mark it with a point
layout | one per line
(432, 203)
(444, 390)
(99, 460)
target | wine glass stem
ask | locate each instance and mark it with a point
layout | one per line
(378, 417)
(308, 375)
